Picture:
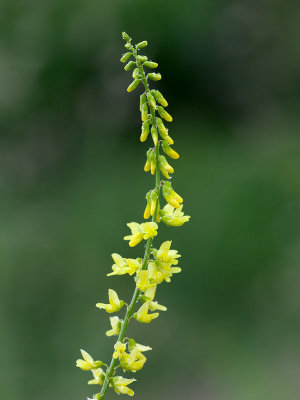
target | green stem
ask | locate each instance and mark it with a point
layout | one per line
(130, 309)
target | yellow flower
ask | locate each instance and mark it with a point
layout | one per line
(142, 280)
(149, 229)
(120, 385)
(142, 314)
(116, 324)
(140, 232)
(124, 265)
(173, 218)
(159, 272)
(88, 363)
(135, 360)
(170, 196)
(115, 304)
(149, 296)
(166, 256)
(120, 348)
(99, 377)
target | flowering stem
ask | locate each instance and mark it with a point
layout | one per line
(130, 309)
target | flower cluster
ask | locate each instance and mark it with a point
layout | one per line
(157, 265)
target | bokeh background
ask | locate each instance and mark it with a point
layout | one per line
(71, 176)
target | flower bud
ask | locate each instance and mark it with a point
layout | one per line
(143, 100)
(127, 45)
(141, 45)
(144, 111)
(142, 58)
(150, 64)
(160, 98)
(163, 113)
(163, 131)
(165, 167)
(170, 152)
(170, 196)
(133, 85)
(129, 65)
(151, 101)
(147, 166)
(147, 211)
(154, 198)
(154, 77)
(145, 130)
(126, 37)
(126, 57)
(135, 73)
(154, 135)
(152, 159)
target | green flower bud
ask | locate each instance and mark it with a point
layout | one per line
(126, 37)
(128, 45)
(160, 98)
(144, 111)
(141, 58)
(133, 85)
(145, 130)
(141, 45)
(129, 65)
(126, 57)
(150, 64)
(165, 167)
(143, 100)
(135, 73)
(170, 152)
(163, 113)
(154, 135)
(151, 101)
(151, 162)
(154, 77)
(162, 129)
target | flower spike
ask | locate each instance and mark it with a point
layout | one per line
(155, 266)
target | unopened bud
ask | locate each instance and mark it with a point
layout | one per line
(125, 57)
(163, 113)
(129, 65)
(170, 152)
(145, 130)
(143, 100)
(144, 111)
(142, 58)
(135, 73)
(160, 98)
(154, 135)
(151, 101)
(133, 85)
(150, 64)
(126, 37)
(154, 77)
(141, 45)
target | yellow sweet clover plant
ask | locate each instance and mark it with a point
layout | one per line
(157, 265)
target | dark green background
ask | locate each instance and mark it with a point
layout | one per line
(71, 176)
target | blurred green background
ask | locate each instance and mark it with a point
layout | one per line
(71, 176)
